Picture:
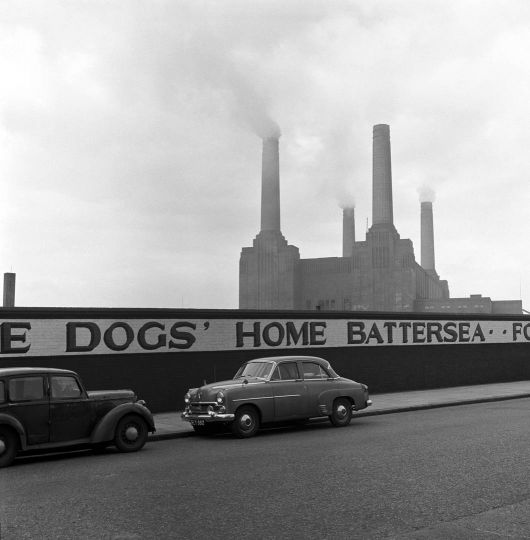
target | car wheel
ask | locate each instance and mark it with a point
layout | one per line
(341, 413)
(246, 422)
(131, 433)
(8, 446)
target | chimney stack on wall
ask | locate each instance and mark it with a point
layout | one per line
(348, 231)
(9, 289)
(382, 176)
(427, 237)
(270, 185)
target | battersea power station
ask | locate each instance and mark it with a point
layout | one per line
(380, 273)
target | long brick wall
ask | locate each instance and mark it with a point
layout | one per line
(161, 353)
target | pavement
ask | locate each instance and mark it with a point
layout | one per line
(169, 425)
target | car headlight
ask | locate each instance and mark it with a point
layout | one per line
(187, 397)
(220, 398)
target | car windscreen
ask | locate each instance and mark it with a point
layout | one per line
(261, 370)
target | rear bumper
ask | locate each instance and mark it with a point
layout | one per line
(210, 417)
(368, 402)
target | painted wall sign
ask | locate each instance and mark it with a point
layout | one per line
(57, 337)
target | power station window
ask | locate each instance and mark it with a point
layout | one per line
(407, 261)
(380, 257)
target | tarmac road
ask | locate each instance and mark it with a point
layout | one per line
(455, 472)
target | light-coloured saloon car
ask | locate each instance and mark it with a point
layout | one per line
(275, 389)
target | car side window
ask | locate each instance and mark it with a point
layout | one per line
(26, 388)
(313, 370)
(64, 387)
(275, 374)
(2, 392)
(288, 371)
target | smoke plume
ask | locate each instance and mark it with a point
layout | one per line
(230, 74)
(426, 194)
(346, 201)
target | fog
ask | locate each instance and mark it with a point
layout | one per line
(130, 139)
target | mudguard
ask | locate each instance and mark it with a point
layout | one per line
(328, 396)
(105, 428)
(264, 407)
(7, 420)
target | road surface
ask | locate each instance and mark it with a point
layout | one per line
(456, 472)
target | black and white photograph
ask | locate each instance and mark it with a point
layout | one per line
(264, 269)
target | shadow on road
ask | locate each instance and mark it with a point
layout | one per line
(269, 430)
(71, 454)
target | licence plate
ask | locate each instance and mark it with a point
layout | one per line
(195, 422)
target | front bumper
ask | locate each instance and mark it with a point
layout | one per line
(207, 418)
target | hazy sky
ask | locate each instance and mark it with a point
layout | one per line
(130, 157)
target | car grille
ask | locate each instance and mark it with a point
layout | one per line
(200, 408)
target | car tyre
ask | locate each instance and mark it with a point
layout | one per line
(8, 446)
(131, 433)
(341, 413)
(246, 422)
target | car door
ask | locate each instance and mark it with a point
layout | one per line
(316, 380)
(28, 402)
(71, 415)
(289, 392)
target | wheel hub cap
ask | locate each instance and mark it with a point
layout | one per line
(131, 433)
(246, 421)
(2, 447)
(342, 411)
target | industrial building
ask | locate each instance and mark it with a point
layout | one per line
(379, 273)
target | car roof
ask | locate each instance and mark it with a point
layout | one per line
(32, 370)
(292, 358)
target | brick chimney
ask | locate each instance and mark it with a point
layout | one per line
(9, 289)
(270, 185)
(382, 212)
(348, 231)
(427, 238)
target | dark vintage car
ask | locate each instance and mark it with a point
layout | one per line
(45, 408)
(275, 389)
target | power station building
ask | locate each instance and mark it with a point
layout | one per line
(379, 273)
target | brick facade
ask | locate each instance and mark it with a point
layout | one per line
(379, 273)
